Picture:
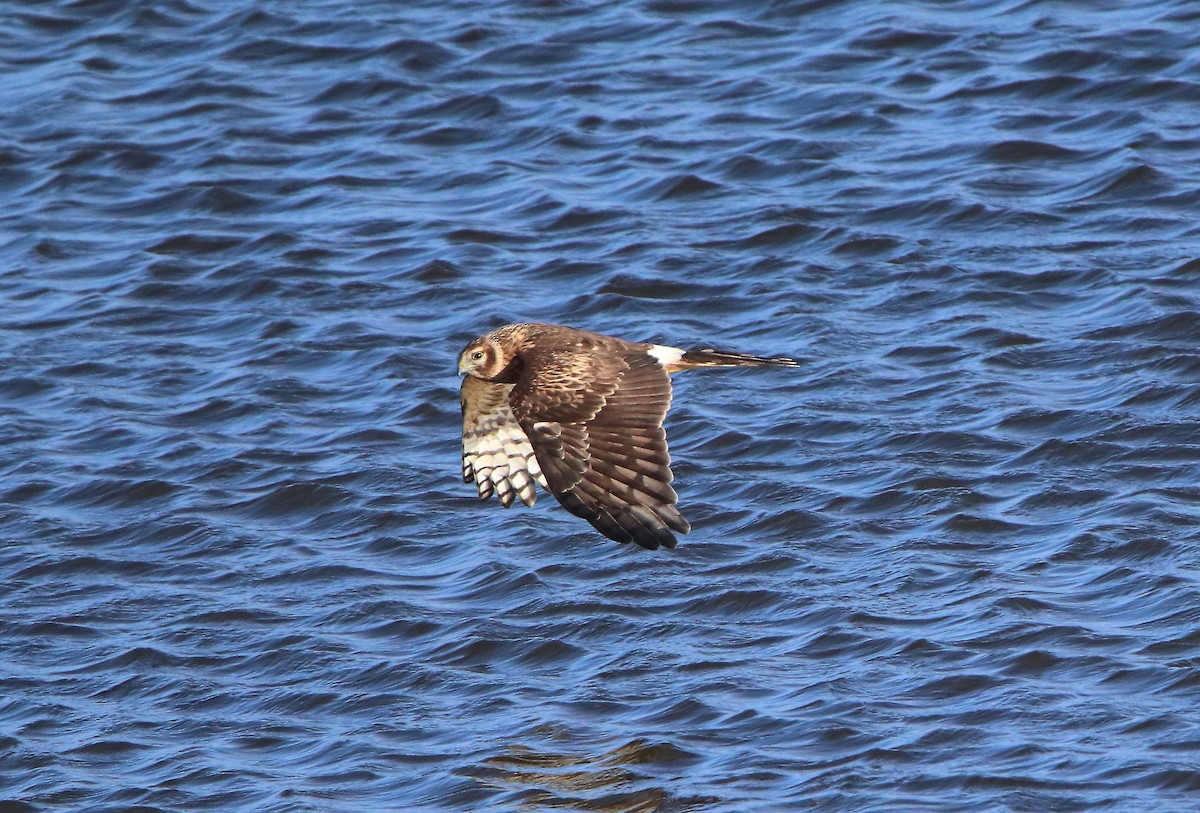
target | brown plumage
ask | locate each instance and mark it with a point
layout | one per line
(582, 414)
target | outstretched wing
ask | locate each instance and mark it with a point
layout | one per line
(594, 418)
(497, 456)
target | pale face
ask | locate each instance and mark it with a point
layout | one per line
(483, 358)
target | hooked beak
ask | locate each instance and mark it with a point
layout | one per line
(462, 366)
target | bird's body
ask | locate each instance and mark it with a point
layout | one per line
(580, 413)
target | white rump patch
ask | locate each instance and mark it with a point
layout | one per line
(666, 356)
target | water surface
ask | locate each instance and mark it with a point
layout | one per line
(949, 564)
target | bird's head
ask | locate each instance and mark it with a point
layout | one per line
(485, 358)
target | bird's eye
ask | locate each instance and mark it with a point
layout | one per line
(477, 355)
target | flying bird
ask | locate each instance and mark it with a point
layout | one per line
(582, 414)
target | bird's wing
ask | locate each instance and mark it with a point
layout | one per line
(497, 456)
(595, 419)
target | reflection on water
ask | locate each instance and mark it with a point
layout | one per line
(537, 780)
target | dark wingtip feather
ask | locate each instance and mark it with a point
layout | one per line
(639, 524)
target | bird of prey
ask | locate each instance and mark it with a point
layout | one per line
(582, 414)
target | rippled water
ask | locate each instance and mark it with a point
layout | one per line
(949, 564)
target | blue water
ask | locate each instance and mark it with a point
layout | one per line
(948, 564)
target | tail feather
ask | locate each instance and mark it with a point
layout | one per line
(720, 358)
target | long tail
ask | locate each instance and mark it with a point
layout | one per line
(720, 358)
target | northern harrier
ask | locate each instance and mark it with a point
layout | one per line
(582, 414)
